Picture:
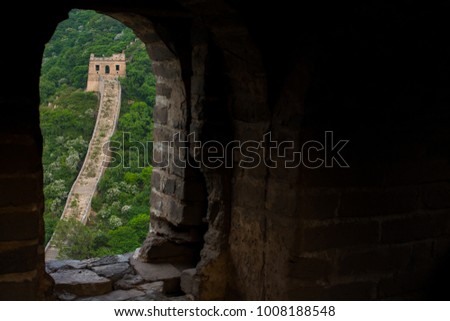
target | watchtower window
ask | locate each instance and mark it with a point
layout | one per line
(117, 67)
(97, 67)
(107, 70)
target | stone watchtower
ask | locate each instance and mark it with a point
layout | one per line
(105, 67)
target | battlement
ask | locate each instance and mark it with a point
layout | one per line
(114, 57)
(114, 66)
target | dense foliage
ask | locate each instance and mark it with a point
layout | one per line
(121, 208)
(67, 128)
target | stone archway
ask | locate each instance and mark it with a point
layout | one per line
(377, 230)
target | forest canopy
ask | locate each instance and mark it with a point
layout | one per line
(120, 208)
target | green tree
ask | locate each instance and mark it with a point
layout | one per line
(74, 240)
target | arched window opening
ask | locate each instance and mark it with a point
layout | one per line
(92, 210)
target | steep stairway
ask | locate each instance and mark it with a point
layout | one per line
(78, 203)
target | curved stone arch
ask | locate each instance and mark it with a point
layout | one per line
(223, 54)
(186, 102)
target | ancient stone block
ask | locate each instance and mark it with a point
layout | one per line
(159, 272)
(160, 115)
(160, 249)
(117, 295)
(108, 260)
(180, 213)
(187, 280)
(54, 265)
(81, 282)
(112, 271)
(157, 286)
(169, 186)
(163, 90)
(153, 272)
(129, 281)
(156, 179)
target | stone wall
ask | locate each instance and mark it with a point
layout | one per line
(376, 230)
(97, 69)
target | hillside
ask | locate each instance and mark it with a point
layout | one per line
(121, 209)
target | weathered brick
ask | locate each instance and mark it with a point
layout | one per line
(160, 155)
(339, 235)
(22, 259)
(162, 134)
(177, 116)
(177, 212)
(19, 191)
(19, 226)
(163, 90)
(156, 179)
(185, 214)
(160, 115)
(156, 201)
(187, 234)
(158, 249)
(169, 186)
(309, 268)
(374, 261)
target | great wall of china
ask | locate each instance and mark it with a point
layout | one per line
(78, 204)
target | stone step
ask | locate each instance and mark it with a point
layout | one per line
(118, 295)
(81, 282)
(152, 272)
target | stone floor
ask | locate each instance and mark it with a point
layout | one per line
(119, 278)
